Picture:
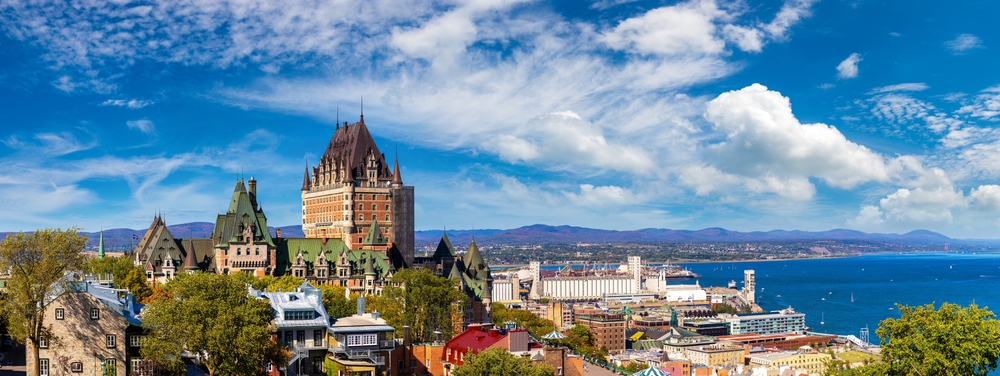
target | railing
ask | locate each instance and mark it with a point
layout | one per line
(387, 344)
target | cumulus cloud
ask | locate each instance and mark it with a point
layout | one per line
(687, 28)
(765, 141)
(567, 139)
(129, 103)
(986, 197)
(849, 67)
(143, 125)
(963, 43)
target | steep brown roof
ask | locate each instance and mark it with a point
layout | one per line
(350, 147)
(396, 177)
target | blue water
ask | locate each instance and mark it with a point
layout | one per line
(877, 281)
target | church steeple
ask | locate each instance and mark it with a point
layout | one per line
(100, 246)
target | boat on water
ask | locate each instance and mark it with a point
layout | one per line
(822, 318)
(732, 284)
(852, 297)
(823, 299)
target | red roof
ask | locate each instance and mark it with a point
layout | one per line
(474, 339)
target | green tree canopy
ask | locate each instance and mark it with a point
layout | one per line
(421, 300)
(213, 315)
(125, 274)
(337, 303)
(952, 340)
(498, 362)
(38, 263)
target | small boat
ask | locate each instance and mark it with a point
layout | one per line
(823, 299)
(778, 296)
(852, 297)
(822, 318)
(831, 292)
(891, 308)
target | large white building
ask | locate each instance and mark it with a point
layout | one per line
(588, 287)
(774, 322)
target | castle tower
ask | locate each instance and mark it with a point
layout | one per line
(351, 187)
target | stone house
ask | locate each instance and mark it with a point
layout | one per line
(93, 330)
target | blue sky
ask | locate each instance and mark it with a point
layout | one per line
(873, 115)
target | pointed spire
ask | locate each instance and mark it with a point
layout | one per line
(305, 179)
(396, 177)
(100, 246)
(369, 268)
(190, 262)
(362, 109)
(349, 172)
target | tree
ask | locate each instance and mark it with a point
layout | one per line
(337, 303)
(421, 300)
(212, 315)
(496, 361)
(38, 264)
(125, 274)
(952, 340)
(284, 283)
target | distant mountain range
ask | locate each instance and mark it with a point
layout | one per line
(121, 239)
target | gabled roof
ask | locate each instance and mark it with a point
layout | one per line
(474, 340)
(243, 211)
(287, 248)
(374, 235)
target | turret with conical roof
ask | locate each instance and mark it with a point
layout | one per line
(397, 179)
(305, 179)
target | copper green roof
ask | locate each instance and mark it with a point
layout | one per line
(374, 236)
(242, 211)
(287, 248)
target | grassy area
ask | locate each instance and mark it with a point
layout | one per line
(856, 356)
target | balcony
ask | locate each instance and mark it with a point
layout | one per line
(387, 344)
(371, 356)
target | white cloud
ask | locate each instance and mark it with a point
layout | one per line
(607, 4)
(683, 29)
(869, 216)
(849, 67)
(985, 106)
(986, 197)
(747, 38)
(898, 108)
(765, 141)
(962, 43)
(564, 138)
(909, 86)
(49, 144)
(129, 103)
(790, 14)
(143, 125)
(922, 207)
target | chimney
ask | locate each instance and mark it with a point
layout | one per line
(361, 305)
(277, 233)
(252, 186)
(324, 241)
(406, 335)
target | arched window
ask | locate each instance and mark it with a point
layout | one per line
(237, 251)
(361, 207)
(361, 217)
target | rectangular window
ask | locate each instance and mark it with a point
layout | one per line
(317, 338)
(110, 366)
(110, 341)
(300, 315)
(362, 340)
(95, 313)
(301, 337)
(43, 342)
(76, 367)
(43, 367)
(135, 366)
(60, 313)
(133, 340)
(270, 367)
